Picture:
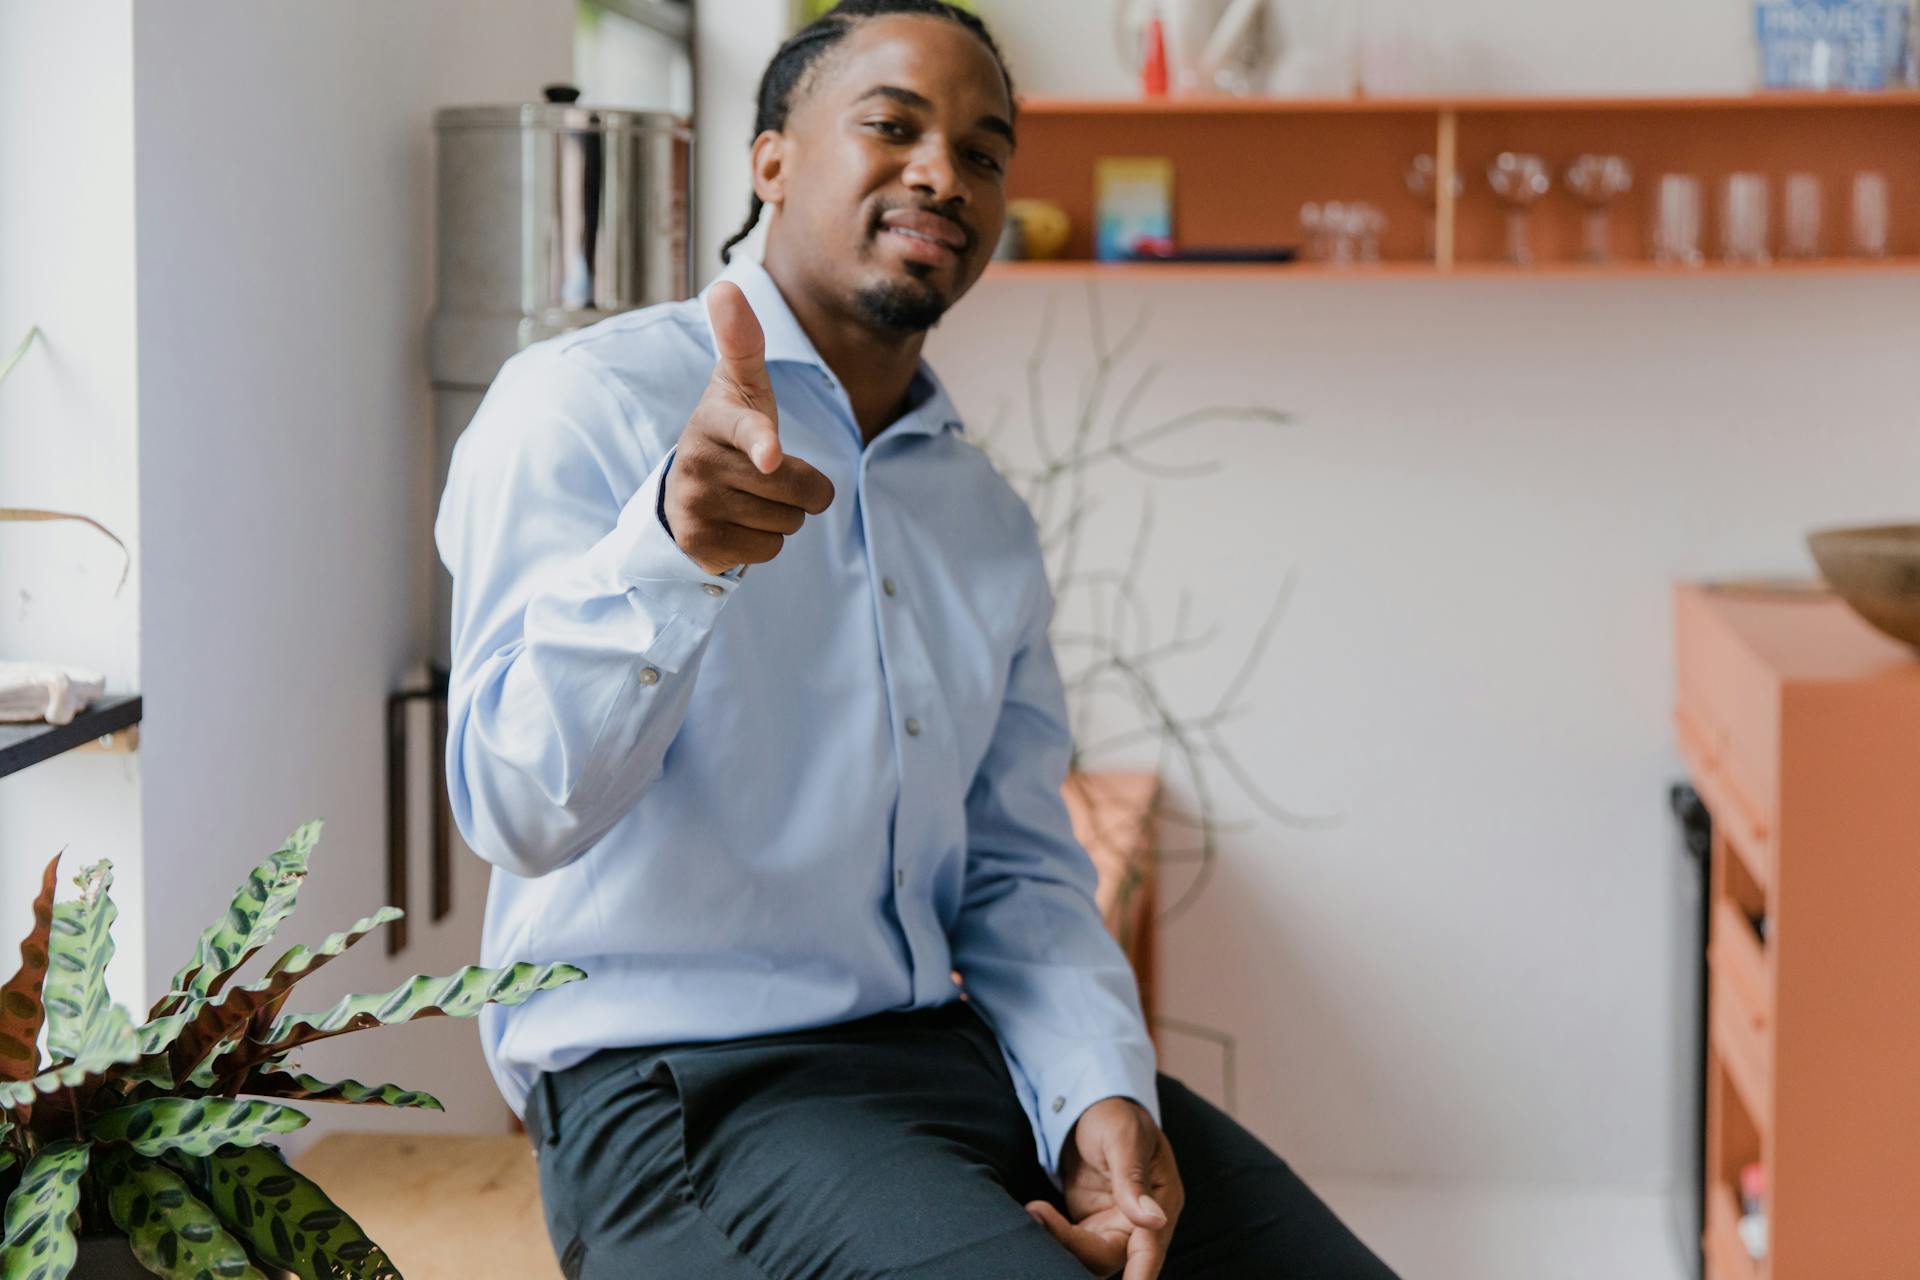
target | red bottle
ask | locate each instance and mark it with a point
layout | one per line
(1153, 59)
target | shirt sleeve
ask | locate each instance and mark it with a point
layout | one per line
(1029, 943)
(578, 623)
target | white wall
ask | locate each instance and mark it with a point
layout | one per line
(1488, 489)
(285, 250)
(67, 435)
(732, 41)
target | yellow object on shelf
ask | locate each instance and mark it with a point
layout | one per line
(1044, 226)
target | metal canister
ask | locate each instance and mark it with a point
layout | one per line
(551, 216)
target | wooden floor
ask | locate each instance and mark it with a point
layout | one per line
(444, 1208)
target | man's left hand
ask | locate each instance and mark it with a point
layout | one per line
(1123, 1192)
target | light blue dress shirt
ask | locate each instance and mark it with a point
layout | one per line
(761, 802)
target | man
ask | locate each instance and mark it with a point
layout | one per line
(753, 710)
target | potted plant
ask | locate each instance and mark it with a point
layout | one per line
(131, 1150)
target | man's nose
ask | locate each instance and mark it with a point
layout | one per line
(931, 170)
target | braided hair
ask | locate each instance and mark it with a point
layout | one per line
(803, 49)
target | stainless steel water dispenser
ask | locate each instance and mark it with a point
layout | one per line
(551, 216)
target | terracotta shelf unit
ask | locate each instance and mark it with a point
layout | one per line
(1243, 167)
(1800, 726)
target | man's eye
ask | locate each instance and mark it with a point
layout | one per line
(889, 128)
(987, 161)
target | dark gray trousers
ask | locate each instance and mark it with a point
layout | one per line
(893, 1146)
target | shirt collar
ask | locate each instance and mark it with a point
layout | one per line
(786, 340)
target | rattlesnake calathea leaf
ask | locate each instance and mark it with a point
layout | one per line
(268, 1081)
(79, 947)
(214, 1022)
(43, 1213)
(173, 1233)
(287, 1220)
(21, 1012)
(266, 899)
(118, 1046)
(196, 1126)
(460, 995)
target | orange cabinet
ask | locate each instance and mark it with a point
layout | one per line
(1800, 726)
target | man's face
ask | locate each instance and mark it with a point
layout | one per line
(893, 168)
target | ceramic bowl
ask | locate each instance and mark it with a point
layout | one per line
(1876, 570)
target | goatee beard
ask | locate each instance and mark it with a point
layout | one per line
(902, 308)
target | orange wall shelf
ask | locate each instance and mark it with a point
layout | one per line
(1243, 167)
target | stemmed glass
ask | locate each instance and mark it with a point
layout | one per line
(1597, 181)
(1519, 179)
(1423, 180)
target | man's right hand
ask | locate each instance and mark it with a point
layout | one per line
(732, 496)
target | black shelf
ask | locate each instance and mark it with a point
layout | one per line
(34, 741)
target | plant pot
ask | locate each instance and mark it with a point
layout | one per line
(110, 1257)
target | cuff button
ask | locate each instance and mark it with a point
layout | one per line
(649, 675)
(714, 589)
(1058, 1103)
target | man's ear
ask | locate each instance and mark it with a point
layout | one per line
(769, 167)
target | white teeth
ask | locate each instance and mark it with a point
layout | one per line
(917, 235)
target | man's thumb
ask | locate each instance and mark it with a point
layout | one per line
(1130, 1190)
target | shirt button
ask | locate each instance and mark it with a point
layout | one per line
(913, 727)
(714, 589)
(1058, 1103)
(899, 879)
(649, 675)
(886, 585)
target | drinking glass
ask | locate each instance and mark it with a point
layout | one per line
(1743, 219)
(1870, 215)
(1597, 181)
(1676, 227)
(1800, 212)
(1366, 224)
(1519, 179)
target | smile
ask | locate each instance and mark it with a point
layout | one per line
(921, 246)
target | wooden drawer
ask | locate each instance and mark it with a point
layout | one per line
(1727, 1257)
(1742, 1036)
(1745, 821)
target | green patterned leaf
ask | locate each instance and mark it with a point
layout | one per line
(280, 1084)
(287, 1220)
(257, 909)
(118, 1048)
(197, 1126)
(43, 1213)
(6, 1153)
(460, 995)
(79, 946)
(173, 1233)
(21, 1011)
(216, 1022)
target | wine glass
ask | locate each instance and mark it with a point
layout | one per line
(1597, 181)
(1519, 178)
(1423, 180)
